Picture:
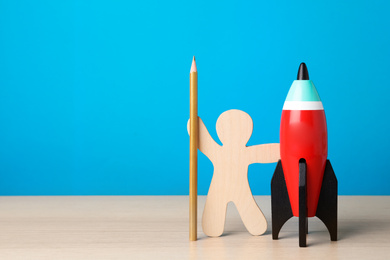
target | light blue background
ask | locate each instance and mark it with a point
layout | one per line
(94, 95)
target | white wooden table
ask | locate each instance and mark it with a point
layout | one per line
(156, 227)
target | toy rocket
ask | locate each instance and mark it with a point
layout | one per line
(304, 184)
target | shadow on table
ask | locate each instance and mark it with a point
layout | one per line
(362, 228)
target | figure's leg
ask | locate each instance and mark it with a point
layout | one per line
(250, 213)
(302, 203)
(280, 202)
(214, 214)
(327, 203)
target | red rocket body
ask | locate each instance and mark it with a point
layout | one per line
(303, 135)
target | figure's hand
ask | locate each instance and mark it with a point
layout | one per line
(264, 153)
(206, 143)
(200, 124)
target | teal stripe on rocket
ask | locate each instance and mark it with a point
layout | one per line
(303, 90)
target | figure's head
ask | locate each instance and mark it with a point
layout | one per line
(234, 127)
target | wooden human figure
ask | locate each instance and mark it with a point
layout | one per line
(230, 179)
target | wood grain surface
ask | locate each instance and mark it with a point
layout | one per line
(152, 227)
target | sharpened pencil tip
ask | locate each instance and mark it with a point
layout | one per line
(193, 66)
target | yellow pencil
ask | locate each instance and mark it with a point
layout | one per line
(194, 136)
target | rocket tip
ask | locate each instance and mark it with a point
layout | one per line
(303, 74)
(193, 65)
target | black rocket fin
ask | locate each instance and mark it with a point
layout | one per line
(327, 203)
(280, 202)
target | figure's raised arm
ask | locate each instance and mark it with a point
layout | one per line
(206, 145)
(263, 153)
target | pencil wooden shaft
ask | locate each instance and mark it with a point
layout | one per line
(194, 136)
